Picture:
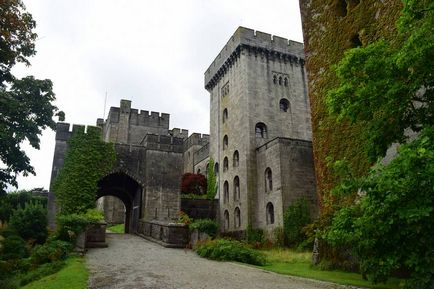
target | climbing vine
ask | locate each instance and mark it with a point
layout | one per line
(87, 160)
(211, 181)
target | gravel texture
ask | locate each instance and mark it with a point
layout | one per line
(131, 262)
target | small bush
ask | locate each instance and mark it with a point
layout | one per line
(296, 217)
(255, 237)
(193, 184)
(207, 226)
(13, 248)
(279, 237)
(70, 226)
(30, 222)
(183, 218)
(229, 250)
(51, 251)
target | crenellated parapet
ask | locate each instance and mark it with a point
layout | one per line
(163, 143)
(258, 43)
(64, 131)
(138, 117)
(177, 132)
(196, 139)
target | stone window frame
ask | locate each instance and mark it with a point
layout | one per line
(268, 177)
(280, 79)
(269, 209)
(225, 192)
(225, 164)
(225, 115)
(225, 89)
(198, 171)
(284, 105)
(236, 159)
(261, 130)
(237, 217)
(225, 142)
(237, 190)
(216, 169)
(226, 222)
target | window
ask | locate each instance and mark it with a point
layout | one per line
(237, 217)
(261, 130)
(268, 180)
(226, 219)
(284, 105)
(270, 214)
(198, 171)
(206, 169)
(280, 80)
(225, 142)
(274, 79)
(236, 159)
(225, 164)
(216, 169)
(225, 192)
(225, 115)
(236, 189)
(285, 81)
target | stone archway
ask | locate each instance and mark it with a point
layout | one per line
(129, 191)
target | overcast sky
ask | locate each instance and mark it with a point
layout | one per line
(154, 53)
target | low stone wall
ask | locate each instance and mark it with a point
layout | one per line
(95, 235)
(200, 208)
(166, 234)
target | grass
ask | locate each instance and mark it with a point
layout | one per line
(73, 276)
(119, 228)
(289, 262)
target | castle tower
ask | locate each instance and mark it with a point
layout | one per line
(259, 106)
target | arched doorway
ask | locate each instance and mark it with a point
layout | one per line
(129, 191)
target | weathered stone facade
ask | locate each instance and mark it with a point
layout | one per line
(260, 139)
(260, 129)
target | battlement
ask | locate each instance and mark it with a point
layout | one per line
(136, 117)
(163, 142)
(248, 38)
(196, 139)
(64, 130)
(201, 154)
(177, 132)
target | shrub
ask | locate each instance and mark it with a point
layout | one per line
(30, 222)
(207, 226)
(229, 250)
(40, 272)
(12, 201)
(279, 236)
(51, 251)
(296, 217)
(13, 248)
(255, 236)
(211, 181)
(183, 218)
(70, 226)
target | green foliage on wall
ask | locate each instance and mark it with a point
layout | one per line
(211, 181)
(87, 160)
(296, 217)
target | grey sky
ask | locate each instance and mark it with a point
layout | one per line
(151, 52)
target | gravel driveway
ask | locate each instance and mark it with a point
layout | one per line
(131, 262)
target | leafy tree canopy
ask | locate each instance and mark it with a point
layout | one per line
(390, 86)
(193, 184)
(25, 104)
(88, 159)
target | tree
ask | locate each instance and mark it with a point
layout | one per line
(211, 181)
(193, 184)
(25, 104)
(87, 160)
(389, 88)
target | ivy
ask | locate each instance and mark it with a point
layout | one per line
(211, 181)
(87, 160)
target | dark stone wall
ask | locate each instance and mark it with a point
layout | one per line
(330, 27)
(200, 209)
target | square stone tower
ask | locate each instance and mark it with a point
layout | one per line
(259, 129)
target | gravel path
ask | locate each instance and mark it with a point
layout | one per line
(131, 262)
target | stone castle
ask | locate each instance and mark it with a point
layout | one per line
(260, 140)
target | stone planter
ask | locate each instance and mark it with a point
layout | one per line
(95, 235)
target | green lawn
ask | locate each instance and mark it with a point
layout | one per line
(119, 228)
(73, 276)
(288, 262)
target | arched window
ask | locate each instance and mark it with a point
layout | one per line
(274, 79)
(280, 80)
(236, 159)
(206, 169)
(268, 180)
(270, 213)
(225, 115)
(261, 130)
(225, 192)
(225, 142)
(284, 105)
(237, 217)
(285, 81)
(216, 169)
(226, 218)
(198, 171)
(236, 189)
(225, 164)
